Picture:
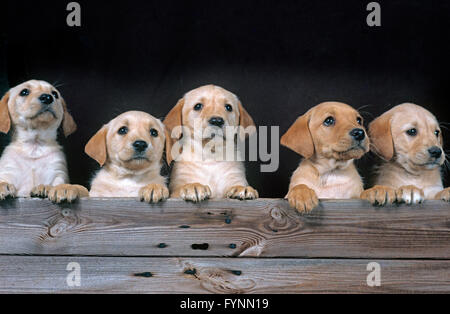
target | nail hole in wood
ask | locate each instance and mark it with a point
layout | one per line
(190, 271)
(203, 246)
(145, 274)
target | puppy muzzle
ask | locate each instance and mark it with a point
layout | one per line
(140, 149)
(216, 121)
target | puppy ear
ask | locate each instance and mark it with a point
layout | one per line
(298, 137)
(173, 120)
(68, 123)
(381, 137)
(245, 120)
(5, 120)
(96, 147)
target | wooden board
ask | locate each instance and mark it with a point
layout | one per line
(263, 228)
(219, 275)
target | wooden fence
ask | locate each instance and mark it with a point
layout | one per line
(262, 246)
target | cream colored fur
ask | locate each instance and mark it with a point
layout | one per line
(34, 163)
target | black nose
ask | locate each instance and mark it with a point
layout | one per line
(140, 146)
(46, 99)
(358, 134)
(216, 121)
(435, 152)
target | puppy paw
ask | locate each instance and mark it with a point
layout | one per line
(7, 190)
(302, 198)
(195, 192)
(40, 191)
(443, 195)
(66, 193)
(410, 194)
(153, 193)
(379, 195)
(242, 192)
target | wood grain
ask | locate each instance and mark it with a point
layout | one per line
(219, 275)
(263, 228)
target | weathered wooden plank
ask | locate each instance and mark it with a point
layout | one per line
(265, 227)
(219, 275)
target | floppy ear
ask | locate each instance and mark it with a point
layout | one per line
(96, 147)
(68, 124)
(298, 137)
(172, 120)
(245, 120)
(5, 120)
(381, 137)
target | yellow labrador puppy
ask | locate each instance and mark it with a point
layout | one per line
(409, 141)
(34, 163)
(203, 116)
(329, 137)
(129, 148)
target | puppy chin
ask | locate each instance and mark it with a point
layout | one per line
(134, 162)
(46, 116)
(415, 166)
(352, 152)
(430, 165)
(212, 132)
(433, 166)
(355, 153)
(42, 121)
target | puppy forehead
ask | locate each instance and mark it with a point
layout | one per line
(33, 85)
(333, 108)
(136, 119)
(409, 113)
(209, 92)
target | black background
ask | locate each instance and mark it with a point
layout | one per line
(279, 57)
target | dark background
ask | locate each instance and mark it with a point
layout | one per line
(279, 57)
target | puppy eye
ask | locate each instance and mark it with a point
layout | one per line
(55, 94)
(329, 121)
(228, 107)
(198, 106)
(412, 132)
(154, 132)
(123, 130)
(359, 120)
(25, 92)
(437, 132)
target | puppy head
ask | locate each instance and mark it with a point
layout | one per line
(331, 130)
(410, 135)
(210, 110)
(35, 105)
(133, 140)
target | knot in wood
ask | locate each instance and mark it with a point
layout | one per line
(59, 228)
(281, 221)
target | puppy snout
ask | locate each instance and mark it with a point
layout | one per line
(358, 134)
(140, 146)
(435, 152)
(46, 99)
(216, 121)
